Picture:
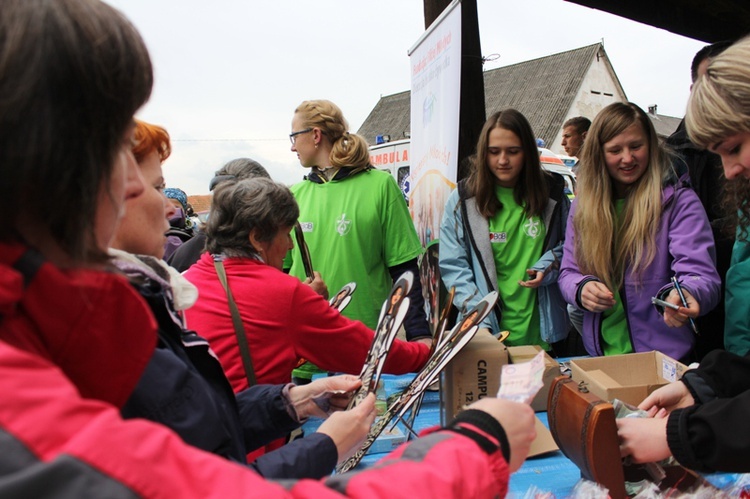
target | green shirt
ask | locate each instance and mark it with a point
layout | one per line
(517, 243)
(615, 332)
(355, 229)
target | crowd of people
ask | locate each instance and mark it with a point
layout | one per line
(141, 355)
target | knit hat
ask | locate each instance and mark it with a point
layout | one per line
(179, 195)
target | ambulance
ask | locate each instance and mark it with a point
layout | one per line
(393, 157)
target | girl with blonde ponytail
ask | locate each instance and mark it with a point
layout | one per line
(355, 221)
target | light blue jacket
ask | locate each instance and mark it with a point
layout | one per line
(461, 265)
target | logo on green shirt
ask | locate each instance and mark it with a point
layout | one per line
(531, 228)
(343, 226)
(498, 237)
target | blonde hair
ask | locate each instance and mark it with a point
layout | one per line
(719, 107)
(348, 150)
(719, 104)
(603, 247)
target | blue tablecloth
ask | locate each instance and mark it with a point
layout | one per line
(551, 472)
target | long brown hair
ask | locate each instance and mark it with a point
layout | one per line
(531, 190)
(72, 75)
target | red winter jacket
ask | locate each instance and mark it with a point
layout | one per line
(91, 324)
(285, 320)
(81, 340)
(53, 443)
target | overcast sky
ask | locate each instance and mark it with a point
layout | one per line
(229, 73)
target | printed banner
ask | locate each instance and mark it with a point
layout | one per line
(435, 101)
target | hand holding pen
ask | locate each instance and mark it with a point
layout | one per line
(686, 308)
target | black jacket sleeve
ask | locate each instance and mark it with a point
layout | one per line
(264, 418)
(263, 415)
(710, 436)
(313, 456)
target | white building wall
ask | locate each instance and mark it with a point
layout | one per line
(599, 88)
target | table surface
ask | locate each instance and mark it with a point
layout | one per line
(550, 472)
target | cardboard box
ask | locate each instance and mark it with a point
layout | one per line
(544, 441)
(474, 373)
(629, 377)
(521, 354)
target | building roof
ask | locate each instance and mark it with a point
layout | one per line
(542, 89)
(664, 125)
(200, 202)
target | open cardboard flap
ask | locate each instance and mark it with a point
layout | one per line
(543, 443)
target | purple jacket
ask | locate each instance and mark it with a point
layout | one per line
(685, 249)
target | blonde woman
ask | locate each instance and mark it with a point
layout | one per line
(697, 419)
(356, 223)
(634, 226)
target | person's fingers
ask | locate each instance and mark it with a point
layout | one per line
(688, 312)
(366, 410)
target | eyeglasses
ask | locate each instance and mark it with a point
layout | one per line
(293, 135)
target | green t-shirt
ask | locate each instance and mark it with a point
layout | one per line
(615, 332)
(355, 229)
(517, 243)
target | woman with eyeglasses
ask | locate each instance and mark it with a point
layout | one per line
(356, 223)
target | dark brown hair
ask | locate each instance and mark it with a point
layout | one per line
(531, 190)
(72, 74)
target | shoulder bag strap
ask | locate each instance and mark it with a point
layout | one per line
(239, 328)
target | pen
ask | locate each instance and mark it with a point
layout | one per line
(677, 286)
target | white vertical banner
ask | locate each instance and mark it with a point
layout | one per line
(435, 62)
(435, 99)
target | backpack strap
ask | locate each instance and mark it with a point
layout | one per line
(239, 328)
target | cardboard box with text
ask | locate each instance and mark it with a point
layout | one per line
(474, 373)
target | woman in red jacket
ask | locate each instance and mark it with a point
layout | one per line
(284, 320)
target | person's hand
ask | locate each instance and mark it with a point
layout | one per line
(596, 297)
(518, 422)
(669, 397)
(348, 429)
(323, 396)
(317, 284)
(643, 439)
(678, 318)
(534, 281)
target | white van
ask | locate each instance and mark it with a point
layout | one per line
(555, 164)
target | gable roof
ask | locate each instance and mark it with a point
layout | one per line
(664, 125)
(200, 202)
(542, 89)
